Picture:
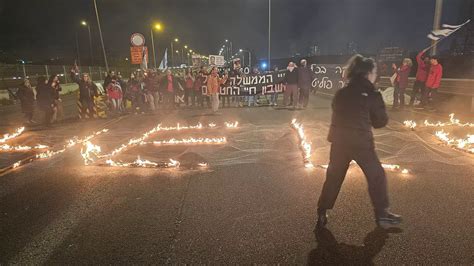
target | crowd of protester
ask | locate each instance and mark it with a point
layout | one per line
(148, 91)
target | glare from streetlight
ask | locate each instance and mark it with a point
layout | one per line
(185, 47)
(240, 50)
(191, 50)
(177, 51)
(158, 26)
(176, 40)
(84, 23)
(226, 40)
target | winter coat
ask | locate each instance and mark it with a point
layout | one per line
(434, 76)
(402, 76)
(45, 96)
(356, 109)
(27, 98)
(422, 70)
(114, 91)
(213, 84)
(87, 90)
(291, 77)
(305, 77)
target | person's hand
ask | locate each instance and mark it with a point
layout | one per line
(394, 66)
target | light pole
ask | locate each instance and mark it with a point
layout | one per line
(77, 51)
(436, 22)
(101, 38)
(250, 56)
(229, 48)
(84, 23)
(185, 47)
(269, 32)
(157, 27)
(176, 40)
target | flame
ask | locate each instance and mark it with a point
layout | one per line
(232, 125)
(69, 143)
(190, 140)
(464, 144)
(410, 123)
(88, 150)
(7, 136)
(6, 147)
(144, 163)
(391, 167)
(203, 164)
(304, 143)
(15, 165)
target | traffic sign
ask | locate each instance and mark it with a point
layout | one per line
(137, 39)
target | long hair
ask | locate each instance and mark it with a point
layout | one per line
(51, 78)
(359, 67)
(408, 62)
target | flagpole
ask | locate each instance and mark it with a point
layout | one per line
(436, 22)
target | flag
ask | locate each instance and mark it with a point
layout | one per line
(164, 61)
(144, 64)
(445, 31)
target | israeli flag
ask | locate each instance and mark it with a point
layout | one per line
(445, 31)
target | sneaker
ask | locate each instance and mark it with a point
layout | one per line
(388, 219)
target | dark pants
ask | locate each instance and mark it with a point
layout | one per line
(418, 87)
(224, 99)
(206, 98)
(398, 96)
(190, 93)
(430, 93)
(87, 107)
(304, 97)
(168, 99)
(48, 115)
(340, 158)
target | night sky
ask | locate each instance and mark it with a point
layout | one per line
(40, 29)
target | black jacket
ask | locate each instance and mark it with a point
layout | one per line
(45, 96)
(305, 77)
(87, 90)
(356, 109)
(27, 98)
(291, 77)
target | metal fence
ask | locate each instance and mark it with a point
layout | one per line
(12, 75)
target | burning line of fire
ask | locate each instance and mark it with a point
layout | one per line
(7, 136)
(6, 147)
(463, 144)
(391, 167)
(91, 152)
(305, 145)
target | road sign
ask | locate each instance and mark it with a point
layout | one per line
(137, 39)
(136, 54)
(216, 60)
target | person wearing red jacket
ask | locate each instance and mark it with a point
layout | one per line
(421, 75)
(432, 81)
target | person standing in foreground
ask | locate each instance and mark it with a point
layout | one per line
(26, 95)
(291, 82)
(421, 75)
(356, 109)
(305, 78)
(432, 83)
(213, 85)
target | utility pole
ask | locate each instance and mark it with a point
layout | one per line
(436, 22)
(101, 38)
(269, 33)
(153, 47)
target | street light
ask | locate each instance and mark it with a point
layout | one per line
(85, 24)
(158, 27)
(101, 37)
(176, 40)
(250, 57)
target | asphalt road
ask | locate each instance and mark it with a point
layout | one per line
(255, 203)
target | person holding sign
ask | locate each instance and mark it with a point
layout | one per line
(356, 109)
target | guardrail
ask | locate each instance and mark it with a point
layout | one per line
(459, 87)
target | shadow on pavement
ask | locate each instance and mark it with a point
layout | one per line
(329, 251)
